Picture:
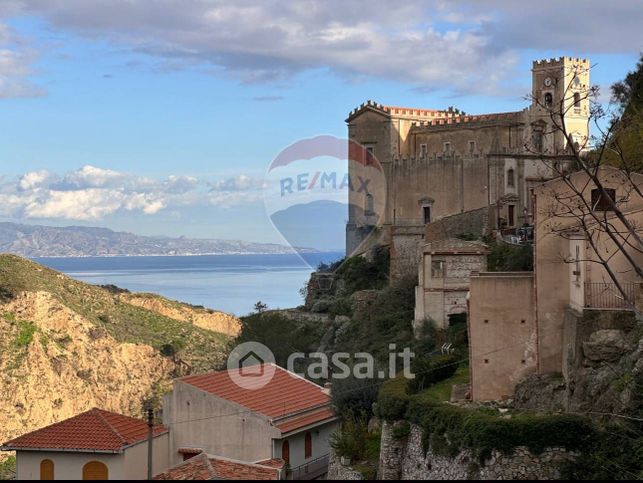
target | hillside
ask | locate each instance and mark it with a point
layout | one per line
(80, 241)
(68, 346)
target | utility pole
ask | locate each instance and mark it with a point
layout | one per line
(150, 439)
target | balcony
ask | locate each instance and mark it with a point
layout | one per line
(309, 471)
(599, 295)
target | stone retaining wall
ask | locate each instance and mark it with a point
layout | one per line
(405, 459)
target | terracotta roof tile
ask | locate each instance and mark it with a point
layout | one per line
(285, 394)
(94, 430)
(207, 467)
(305, 419)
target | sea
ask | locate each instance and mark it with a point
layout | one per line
(229, 283)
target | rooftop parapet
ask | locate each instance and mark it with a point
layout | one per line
(558, 61)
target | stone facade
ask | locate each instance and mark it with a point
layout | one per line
(443, 279)
(406, 460)
(438, 163)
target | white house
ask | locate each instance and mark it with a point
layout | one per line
(95, 445)
(288, 418)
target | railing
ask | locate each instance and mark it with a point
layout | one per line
(599, 295)
(309, 471)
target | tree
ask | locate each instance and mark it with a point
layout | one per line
(593, 157)
(260, 307)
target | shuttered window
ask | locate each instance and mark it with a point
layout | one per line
(46, 470)
(308, 446)
(95, 470)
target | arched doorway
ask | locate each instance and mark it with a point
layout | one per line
(95, 470)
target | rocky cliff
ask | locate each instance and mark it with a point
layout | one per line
(67, 346)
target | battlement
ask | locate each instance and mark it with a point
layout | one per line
(464, 119)
(407, 111)
(560, 61)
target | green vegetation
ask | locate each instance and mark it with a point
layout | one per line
(510, 258)
(431, 370)
(202, 349)
(26, 330)
(355, 442)
(8, 468)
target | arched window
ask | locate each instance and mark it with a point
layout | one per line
(511, 181)
(47, 470)
(308, 446)
(577, 100)
(95, 470)
(285, 452)
(549, 100)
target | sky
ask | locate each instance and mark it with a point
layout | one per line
(160, 117)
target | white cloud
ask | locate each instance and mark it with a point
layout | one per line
(92, 193)
(36, 179)
(16, 61)
(467, 45)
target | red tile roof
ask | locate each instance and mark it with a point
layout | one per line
(206, 467)
(306, 419)
(91, 431)
(285, 394)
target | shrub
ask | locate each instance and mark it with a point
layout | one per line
(351, 441)
(393, 400)
(431, 370)
(354, 398)
(510, 258)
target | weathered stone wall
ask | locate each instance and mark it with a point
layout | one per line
(475, 222)
(337, 471)
(602, 367)
(405, 459)
(406, 244)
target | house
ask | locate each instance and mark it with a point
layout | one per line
(94, 445)
(288, 418)
(439, 163)
(443, 279)
(208, 467)
(535, 322)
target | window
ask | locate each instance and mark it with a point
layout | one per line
(577, 271)
(47, 470)
(549, 100)
(437, 268)
(308, 446)
(447, 148)
(426, 212)
(511, 215)
(423, 150)
(600, 202)
(472, 147)
(95, 470)
(285, 452)
(511, 182)
(537, 141)
(369, 204)
(577, 102)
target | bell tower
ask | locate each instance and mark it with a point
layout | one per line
(560, 88)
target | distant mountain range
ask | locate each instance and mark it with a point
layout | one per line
(80, 241)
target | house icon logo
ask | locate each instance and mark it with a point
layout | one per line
(251, 365)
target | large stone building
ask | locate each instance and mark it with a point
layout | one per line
(439, 163)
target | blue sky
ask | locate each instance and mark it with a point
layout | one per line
(161, 116)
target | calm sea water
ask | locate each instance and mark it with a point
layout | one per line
(231, 283)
